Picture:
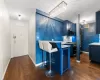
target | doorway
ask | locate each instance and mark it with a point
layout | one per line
(19, 38)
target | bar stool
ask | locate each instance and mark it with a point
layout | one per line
(40, 45)
(48, 48)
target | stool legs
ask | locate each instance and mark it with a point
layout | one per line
(50, 73)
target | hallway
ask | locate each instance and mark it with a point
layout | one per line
(22, 68)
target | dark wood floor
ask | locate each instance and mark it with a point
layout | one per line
(22, 68)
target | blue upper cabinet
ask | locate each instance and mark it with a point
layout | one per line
(47, 28)
(98, 22)
(69, 28)
(73, 28)
(64, 29)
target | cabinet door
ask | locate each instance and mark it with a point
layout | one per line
(64, 31)
(98, 22)
(65, 59)
(74, 27)
(94, 53)
(55, 60)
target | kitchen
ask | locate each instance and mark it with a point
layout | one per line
(50, 40)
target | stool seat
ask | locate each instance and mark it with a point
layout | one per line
(40, 45)
(53, 50)
(48, 47)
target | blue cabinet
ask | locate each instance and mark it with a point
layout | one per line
(73, 28)
(98, 22)
(69, 26)
(65, 59)
(71, 50)
(60, 60)
(94, 53)
(55, 60)
(47, 28)
(64, 29)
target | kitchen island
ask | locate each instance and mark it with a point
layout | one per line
(61, 58)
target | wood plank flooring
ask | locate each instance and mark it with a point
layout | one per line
(22, 68)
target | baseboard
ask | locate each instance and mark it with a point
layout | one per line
(39, 64)
(5, 69)
(85, 52)
(32, 60)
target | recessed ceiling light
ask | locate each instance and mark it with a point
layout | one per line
(19, 17)
(84, 22)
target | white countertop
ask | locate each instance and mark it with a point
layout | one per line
(54, 41)
(63, 42)
(65, 46)
(95, 43)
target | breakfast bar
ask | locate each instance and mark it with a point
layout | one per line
(60, 60)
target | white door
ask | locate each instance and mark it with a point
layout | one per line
(19, 35)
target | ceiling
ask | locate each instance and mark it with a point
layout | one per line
(86, 8)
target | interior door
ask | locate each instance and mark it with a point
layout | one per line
(19, 37)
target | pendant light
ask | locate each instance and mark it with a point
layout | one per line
(60, 8)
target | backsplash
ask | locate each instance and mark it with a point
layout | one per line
(69, 38)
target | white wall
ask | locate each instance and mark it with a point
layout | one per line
(5, 46)
(20, 29)
(32, 38)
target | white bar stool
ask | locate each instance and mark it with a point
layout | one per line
(40, 45)
(48, 48)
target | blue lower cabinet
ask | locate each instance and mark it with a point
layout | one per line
(60, 60)
(71, 50)
(55, 60)
(65, 59)
(94, 53)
